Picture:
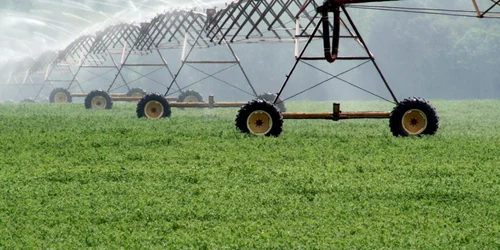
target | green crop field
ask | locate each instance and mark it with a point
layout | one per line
(73, 178)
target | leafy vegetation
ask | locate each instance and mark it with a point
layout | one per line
(76, 178)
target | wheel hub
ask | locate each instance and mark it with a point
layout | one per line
(259, 122)
(61, 97)
(191, 98)
(153, 109)
(414, 121)
(99, 102)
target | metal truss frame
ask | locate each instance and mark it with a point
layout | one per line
(486, 12)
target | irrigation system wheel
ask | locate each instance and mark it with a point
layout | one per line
(98, 99)
(259, 117)
(28, 100)
(270, 98)
(60, 95)
(136, 92)
(413, 117)
(153, 106)
(190, 96)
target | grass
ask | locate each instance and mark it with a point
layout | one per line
(76, 178)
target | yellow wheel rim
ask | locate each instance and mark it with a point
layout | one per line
(191, 98)
(153, 109)
(259, 122)
(414, 121)
(60, 97)
(99, 102)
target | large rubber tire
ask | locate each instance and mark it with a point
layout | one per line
(414, 117)
(270, 98)
(260, 117)
(28, 100)
(98, 99)
(190, 96)
(136, 92)
(60, 95)
(153, 106)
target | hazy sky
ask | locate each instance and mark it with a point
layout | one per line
(55, 24)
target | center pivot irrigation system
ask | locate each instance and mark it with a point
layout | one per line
(260, 21)
(182, 29)
(300, 22)
(168, 31)
(96, 53)
(26, 71)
